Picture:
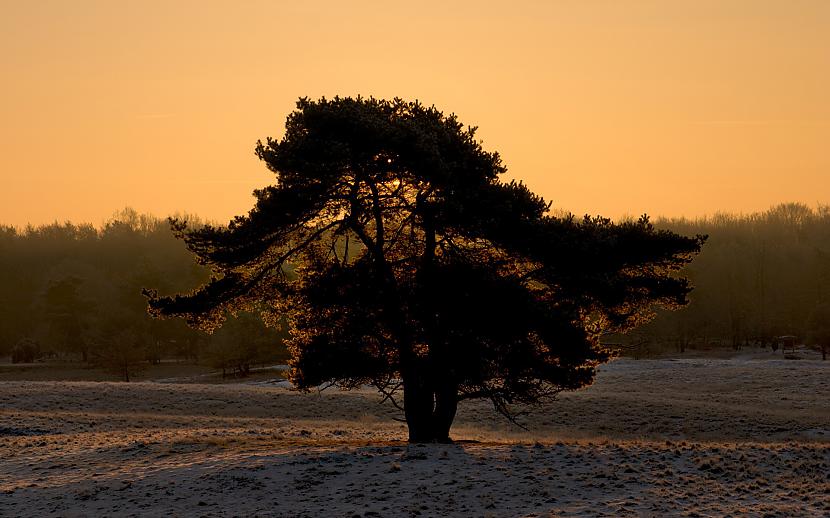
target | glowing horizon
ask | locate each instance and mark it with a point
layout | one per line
(672, 109)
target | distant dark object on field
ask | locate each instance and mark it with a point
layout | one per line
(25, 351)
(784, 342)
(403, 261)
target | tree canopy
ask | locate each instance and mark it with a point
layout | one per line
(402, 260)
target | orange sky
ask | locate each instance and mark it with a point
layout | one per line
(602, 106)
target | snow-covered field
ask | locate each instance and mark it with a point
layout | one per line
(697, 437)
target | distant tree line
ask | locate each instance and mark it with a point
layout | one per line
(73, 292)
(760, 276)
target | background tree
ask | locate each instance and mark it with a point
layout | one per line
(67, 316)
(820, 329)
(418, 269)
(242, 342)
(120, 345)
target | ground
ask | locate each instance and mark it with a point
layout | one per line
(745, 436)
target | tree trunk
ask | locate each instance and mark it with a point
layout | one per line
(430, 406)
(417, 400)
(446, 404)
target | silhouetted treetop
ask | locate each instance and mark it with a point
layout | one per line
(399, 254)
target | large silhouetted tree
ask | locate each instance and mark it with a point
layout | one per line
(403, 261)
